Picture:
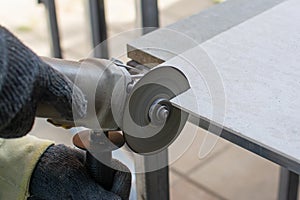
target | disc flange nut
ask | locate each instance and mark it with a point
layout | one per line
(158, 112)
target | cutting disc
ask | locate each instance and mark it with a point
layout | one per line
(155, 89)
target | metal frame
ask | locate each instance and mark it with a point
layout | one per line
(150, 15)
(288, 186)
(153, 185)
(289, 178)
(53, 26)
(98, 28)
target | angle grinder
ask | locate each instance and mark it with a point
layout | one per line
(119, 99)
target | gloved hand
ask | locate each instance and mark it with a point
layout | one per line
(25, 81)
(61, 174)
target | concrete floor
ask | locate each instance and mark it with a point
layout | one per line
(228, 172)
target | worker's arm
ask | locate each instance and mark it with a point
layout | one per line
(25, 81)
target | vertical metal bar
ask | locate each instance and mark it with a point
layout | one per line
(53, 26)
(153, 185)
(288, 185)
(150, 15)
(98, 28)
(157, 184)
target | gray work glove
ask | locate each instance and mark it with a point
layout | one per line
(61, 174)
(25, 81)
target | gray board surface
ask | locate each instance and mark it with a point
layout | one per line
(246, 80)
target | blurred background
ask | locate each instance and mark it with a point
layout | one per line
(228, 172)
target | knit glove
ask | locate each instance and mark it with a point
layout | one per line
(25, 81)
(61, 174)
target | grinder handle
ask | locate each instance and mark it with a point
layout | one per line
(100, 171)
(94, 145)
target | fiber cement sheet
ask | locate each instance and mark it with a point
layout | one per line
(248, 80)
(165, 43)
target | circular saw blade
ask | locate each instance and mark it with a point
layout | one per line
(141, 135)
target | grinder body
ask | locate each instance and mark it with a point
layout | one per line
(98, 79)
